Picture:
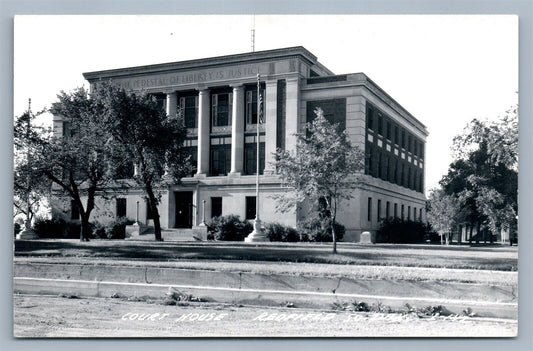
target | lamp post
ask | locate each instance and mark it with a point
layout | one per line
(258, 235)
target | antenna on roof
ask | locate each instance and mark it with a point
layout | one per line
(253, 34)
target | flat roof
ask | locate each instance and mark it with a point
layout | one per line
(247, 57)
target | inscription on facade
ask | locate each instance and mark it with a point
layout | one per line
(204, 76)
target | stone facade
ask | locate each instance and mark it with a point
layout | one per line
(217, 96)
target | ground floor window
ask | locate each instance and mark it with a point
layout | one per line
(149, 212)
(216, 206)
(379, 210)
(250, 207)
(403, 207)
(369, 207)
(395, 210)
(121, 207)
(387, 210)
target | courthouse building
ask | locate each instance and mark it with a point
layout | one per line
(218, 99)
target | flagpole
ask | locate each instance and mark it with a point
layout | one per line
(257, 151)
(258, 234)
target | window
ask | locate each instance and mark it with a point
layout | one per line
(368, 159)
(403, 212)
(121, 207)
(409, 144)
(387, 209)
(250, 155)
(379, 210)
(369, 117)
(149, 212)
(379, 165)
(369, 206)
(395, 210)
(216, 206)
(125, 170)
(389, 169)
(396, 140)
(189, 108)
(414, 213)
(220, 160)
(74, 210)
(389, 134)
(380, 124)
(251, 105)
(250, 207)
(221, 105)
(420, 215)
(403, 139)
(408, 213)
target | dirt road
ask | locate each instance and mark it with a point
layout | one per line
(54, 316)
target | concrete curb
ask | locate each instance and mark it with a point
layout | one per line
(261, 289)
(305, 299)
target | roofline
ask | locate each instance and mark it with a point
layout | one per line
(209, 61)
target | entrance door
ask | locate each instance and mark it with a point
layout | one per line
(183, 209)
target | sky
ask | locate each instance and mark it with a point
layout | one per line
(444, 69)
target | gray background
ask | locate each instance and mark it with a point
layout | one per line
(524, 8)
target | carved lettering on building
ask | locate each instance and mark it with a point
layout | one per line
(189, 78)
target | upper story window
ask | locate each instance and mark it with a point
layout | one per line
(369, 117)
(251, 105)
(189, 108)
(380, 124)
(221, 106)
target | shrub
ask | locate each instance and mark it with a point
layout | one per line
(49, 228)
(399, 231)
(17, 228)
(280, 232)
(319, 229)
(228, 228)
(113, 230)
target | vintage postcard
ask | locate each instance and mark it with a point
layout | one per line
(266, 176)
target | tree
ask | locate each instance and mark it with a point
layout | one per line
(484, 176)
(77, 162)
(443, 212)
(142, 133)
(29, 188)
(321, 170)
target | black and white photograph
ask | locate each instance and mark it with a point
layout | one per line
(294, 176)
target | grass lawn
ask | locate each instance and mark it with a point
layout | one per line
(500, 258)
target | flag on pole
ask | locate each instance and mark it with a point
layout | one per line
(260, 109)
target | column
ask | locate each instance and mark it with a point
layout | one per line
(271, 98)
(203, 132)
(172, 103)
(237, 131)
(292, 112)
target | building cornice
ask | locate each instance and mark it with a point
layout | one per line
(250, 57)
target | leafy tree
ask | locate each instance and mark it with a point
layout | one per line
(443, 212)
(29, 188)
(321, 170)
(484, 176)
(76, 162)
(142, 133)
